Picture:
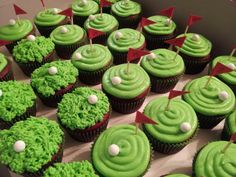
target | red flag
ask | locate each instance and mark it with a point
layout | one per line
(2, 42)
(42, 3)
(18, 10)
(234, 47)
(177, 41)
(104, 3)
(135, 54)
(146, 22)
(92, 33)
(175, 93)
(233, 137)
(220, 69)
(169, 12)
(141, 118)
(192, 19)
(67, 12)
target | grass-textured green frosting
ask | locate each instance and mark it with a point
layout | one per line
(15, 99)
(72, 169)
(3, 62)
(48, 84)
(30, 51)
(211, 162)
(129, 39)
(74, 34)
(17, 31)
(49, 17)
(133, 157)
(205, 100)
(105, 23)
(160, 27)
(92, 59)
(75, 111)
(126, 8)
(177, 175)
(164, 64)
(195, 48)
(169, 121)
(80, 9)
(231, 122)
(230, 77)
(132, 84)
(42, 138)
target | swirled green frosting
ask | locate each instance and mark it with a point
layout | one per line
(129, 39)
(210, 161)
(134, 155)
(47, 84)
(15, 32)
(133, 83)
(105, 23)
(30, 51)
(205, 100)
(169, 121)
(42, 138)
(231, 122)
(194, 48)
(72, 169)
(15, 99)
(125, 9)
(87, 9)
(230, 77)
(92, 59)
(48, 17)
(74, 34)
(164, 65)
(176, 175)
(75, 111)
(3, 62)
(160, 27)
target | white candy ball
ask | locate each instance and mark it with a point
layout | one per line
(92, 17)
(1, 93)
(113, 150)
(151, 56)
(78, 56)
(55, 11)
(12, 22)
(196, 37)
(223, 96)
(168, 22)
(231, 66)
(185, 127)
(63, 29)
(83, 2)
(92, 99)
(52, 70)
(118, 35)
(19, 146)
(116, 80)
(31, 37)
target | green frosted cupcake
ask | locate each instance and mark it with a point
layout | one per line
(5, 69)
(229, 126)
(121, 40)
(17, 102)
(163, 70)
(33, 52)
(15, 31)
(92, 62)
(67, 39)
(118, 151)
(175, 175)
(31, 146)
(176, 126)
(84, 113)
(52, 80)
(49, 19)
(211, 103)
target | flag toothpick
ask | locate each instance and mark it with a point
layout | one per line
(191, 20)
(232, 140)
(233, 52)
(173, 94)
(68, 13)
(144, 22)
(18, 11)
(142, 119)
(104, 3)
(176, 42)
(43, 4)
(169, 12)
(92, 33)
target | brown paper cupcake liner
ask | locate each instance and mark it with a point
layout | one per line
(7, 73)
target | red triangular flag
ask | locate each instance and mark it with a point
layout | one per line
(233, 137)
(175, 93)
(18, 10)
(42, 3)
(92, 33)
(135, 54)
(146, 22)
(2, 42)
(169, 12)
(104, 3)
(67, 12)
(192, 19)
(220, 69)
(177, 41)
(142, 119)
(234, 47)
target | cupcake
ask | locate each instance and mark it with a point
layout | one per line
(15, 31)
(17, 102)
(126, 91)
(176, 126)
(195, 52)
(156, 34)
(52, 80)
(31, 146)
(128, 13)
(163, 70)
(67, 39)
(49, 19)
(211, 161)
(121, 40)
(118, 151)
(33, 52)
(72, 169)
(84, 113)
(5, 69)
(212, 103)
(175, 175)
(92, 62)
(107, 9)
(82, 9)
(229, 127)
(105, 23)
